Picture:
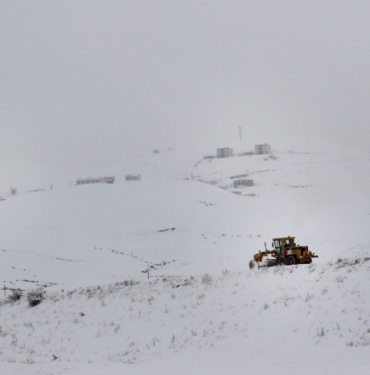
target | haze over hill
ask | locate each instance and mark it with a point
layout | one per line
(84, 83)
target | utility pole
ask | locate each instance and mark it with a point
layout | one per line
(240, 132)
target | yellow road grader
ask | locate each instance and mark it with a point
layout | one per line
(286, 252)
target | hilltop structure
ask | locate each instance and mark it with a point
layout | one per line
(83, 181)
(224, 152)
(132, 177)
(242, 183)
(262, 149)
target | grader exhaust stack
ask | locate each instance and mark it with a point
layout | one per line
(286, 252)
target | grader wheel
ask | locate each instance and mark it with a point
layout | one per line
(290, 260)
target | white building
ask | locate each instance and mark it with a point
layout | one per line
(224, 152)
(83, 181)
(132, 177)
(242, 183)
(262, 149)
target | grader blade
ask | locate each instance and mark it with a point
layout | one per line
(252, 264)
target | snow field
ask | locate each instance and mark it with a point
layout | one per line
(131, 322)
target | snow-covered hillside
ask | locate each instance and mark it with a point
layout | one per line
(117, 231)
(89, 248)
(312, 319)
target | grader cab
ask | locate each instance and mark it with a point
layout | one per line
(286, 252)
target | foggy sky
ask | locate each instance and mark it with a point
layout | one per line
(85, 82)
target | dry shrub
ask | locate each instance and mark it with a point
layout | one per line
(206, 279)
(34, 297)
(15, 296)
